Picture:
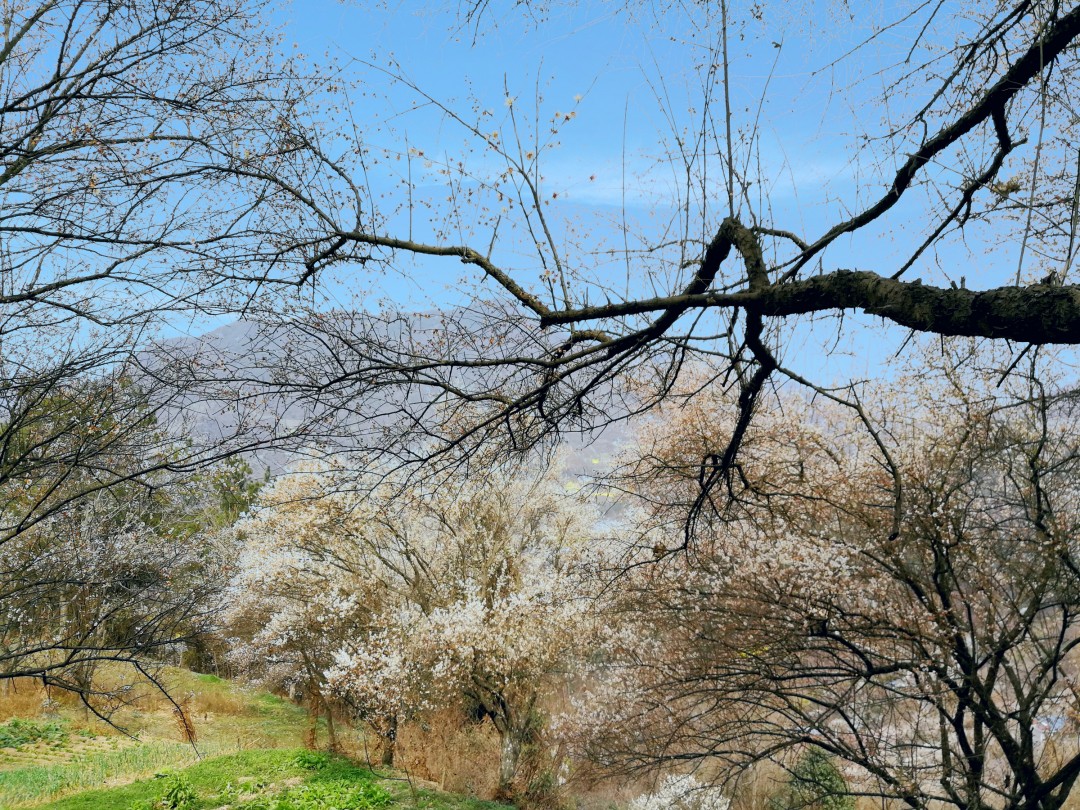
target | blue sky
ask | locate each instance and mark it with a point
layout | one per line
(624, 66)
(635, 83)
(614, 70)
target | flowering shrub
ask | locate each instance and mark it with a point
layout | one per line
(681, 793)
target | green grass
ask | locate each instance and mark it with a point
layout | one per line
(251, 759)
(268, 780)
(45, 758)
(25, 786)
(18, 733)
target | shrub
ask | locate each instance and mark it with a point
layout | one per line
(312, 760)
(816, 784)
(681, 793)
(17, 733)
(178, 795)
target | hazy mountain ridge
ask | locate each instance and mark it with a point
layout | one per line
(273, 387)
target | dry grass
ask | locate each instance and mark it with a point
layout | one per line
(219, 702)
(459, 756)
(754, 787)
(21, 697)
(182, 717)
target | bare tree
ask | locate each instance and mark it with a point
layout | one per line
(130, 136)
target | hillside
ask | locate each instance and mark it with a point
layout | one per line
(248, 754)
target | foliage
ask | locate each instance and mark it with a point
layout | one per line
(328, 795)
(177, 794)
(17, 732)
(816, 784)
(334, 794)
(312, 760)
(233, 491)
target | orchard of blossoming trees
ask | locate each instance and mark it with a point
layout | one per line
(832, 562)
(893, 590)
(896, 587)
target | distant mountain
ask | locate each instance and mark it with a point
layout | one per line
(281, 393)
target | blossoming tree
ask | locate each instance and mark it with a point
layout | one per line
(479, 595)
(295, 594)
(905, 604)
(502, 603)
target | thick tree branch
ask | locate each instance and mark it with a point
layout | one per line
(1038, 314)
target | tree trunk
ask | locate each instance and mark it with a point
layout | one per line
(331, 733)
(389, 743)
(314, 710)
(508, 764)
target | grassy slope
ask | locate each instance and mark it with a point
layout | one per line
(274, 778)
(248, 741)
(89, 753)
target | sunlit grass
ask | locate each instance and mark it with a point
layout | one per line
(81, 752)
(297, 778)
(248, 755)
(40, 782)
